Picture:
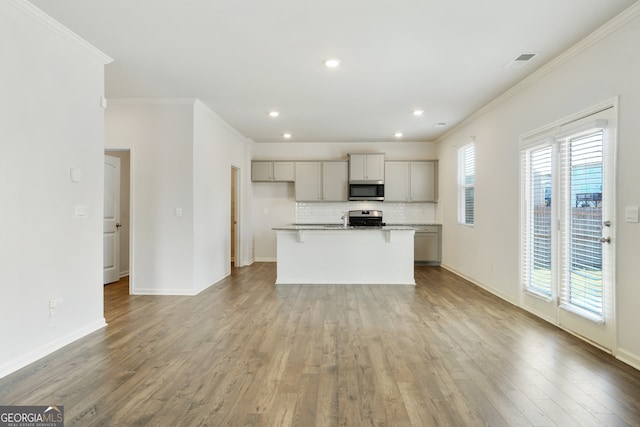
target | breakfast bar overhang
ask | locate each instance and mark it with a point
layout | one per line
(345, 255)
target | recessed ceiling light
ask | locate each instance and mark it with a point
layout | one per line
(286, 135)
(440, 125)
(274, 113)
(398, 135)
(418, 112)
(332, 62)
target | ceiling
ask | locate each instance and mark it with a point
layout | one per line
(244, 58)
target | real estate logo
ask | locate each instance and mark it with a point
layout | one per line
(31, 416)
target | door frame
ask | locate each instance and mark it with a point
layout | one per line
(548, 308)
(131, 212)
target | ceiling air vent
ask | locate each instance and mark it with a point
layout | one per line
(520, 60)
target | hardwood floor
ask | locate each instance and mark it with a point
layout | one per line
(246, 352)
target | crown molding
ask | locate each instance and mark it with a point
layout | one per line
(195, 102)
(62, 31)
(201, 106)
(152, 101)
(628, 15)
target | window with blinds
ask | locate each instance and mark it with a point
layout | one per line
(581, 162)
(466, 184)
(537, 220)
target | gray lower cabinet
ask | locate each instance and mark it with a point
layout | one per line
(427, 247)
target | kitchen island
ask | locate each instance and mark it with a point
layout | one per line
(334, 254)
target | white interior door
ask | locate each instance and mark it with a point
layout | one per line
(111, 225)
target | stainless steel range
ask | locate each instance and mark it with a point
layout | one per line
(365, 218)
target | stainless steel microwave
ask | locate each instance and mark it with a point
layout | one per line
(366, 192)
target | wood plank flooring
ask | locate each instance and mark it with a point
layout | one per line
(248, 353)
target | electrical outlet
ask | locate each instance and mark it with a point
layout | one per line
(631, 214)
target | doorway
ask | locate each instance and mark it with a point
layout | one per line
(568, 207)
(123, 250)
(235, 246)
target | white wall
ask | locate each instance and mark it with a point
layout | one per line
(160, 137)
(217, 147)
(339, 150)
(488, 252)
(181, 155)
(50, 121)
(274, 203)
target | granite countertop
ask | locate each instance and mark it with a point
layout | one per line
(340, 227)
(422, 224)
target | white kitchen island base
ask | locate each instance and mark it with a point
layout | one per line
(345, 256)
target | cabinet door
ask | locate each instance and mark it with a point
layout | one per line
(262, 171)
(374, 169)
(426, 247)
(366, 167)
(357, 167)
(308, 182)
(335, 181)
(284, 171)
(423, 181)
(396, 181)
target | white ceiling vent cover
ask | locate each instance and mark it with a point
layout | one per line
(521, 60)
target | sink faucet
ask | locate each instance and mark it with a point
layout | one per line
(345, 220)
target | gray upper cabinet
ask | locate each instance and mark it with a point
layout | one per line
(415, 181)
(273, 171)
(335, 181)
(366, 167)
(309, 181)
(321, 181)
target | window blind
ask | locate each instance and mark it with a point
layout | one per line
(466, 184)
(537, 221)
(581, 162)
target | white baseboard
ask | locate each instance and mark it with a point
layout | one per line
(621, 354)
(267, 259)
(628, 357)
(166, 292)
(227, 274)
(482, 285)
(47, 349)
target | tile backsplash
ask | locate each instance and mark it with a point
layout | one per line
(392, 213)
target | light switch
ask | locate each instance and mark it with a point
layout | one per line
(81, 211)
(631, 214)
(76, 175)
(178, 211)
